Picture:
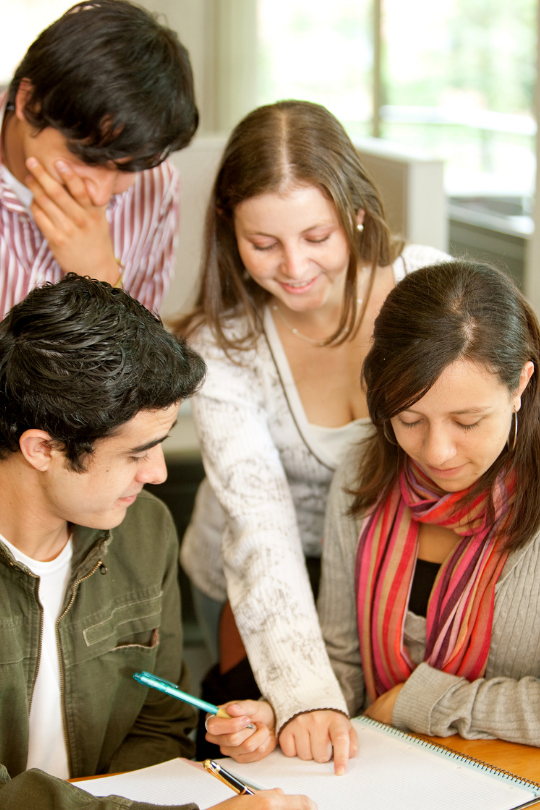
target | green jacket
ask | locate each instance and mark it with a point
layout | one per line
(121, 614)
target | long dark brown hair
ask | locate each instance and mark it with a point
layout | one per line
(274, 147)
(455, 311)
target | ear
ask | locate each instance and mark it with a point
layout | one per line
(360, 216)
(37, 448)
(23, 94)
(526, 373)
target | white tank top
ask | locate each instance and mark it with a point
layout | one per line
(329, 445)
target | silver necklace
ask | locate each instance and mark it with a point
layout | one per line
(294, 330)
(298, 334)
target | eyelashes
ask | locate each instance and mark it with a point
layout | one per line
(458, 424)
(139, 458)
(311, 242)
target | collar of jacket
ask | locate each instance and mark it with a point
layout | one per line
(89, 546)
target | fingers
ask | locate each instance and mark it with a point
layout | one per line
(277, 800)
(306, 741)
(344, 742)
(267, 800)
(248, 735)
(77, 232)
(257, 745)
(220, 727)
(74, 184)
(259, 710)
(60, 200)
(236, 740)
(316, 735)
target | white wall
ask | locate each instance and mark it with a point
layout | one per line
(221, 37)
(197, 165)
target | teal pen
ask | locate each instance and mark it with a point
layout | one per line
(147, 679)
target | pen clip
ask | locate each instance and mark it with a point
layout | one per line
(227, 778)
(157, 679)
(211, 768)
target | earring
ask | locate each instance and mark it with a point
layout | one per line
(511, 449)
(360, 227)
(387, 436)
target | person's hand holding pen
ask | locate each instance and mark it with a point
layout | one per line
(267, 800)
(235, 738)
(312, 735)
(258, 800)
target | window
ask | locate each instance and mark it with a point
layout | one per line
(458, 80)
(454, 77)
(320, 51)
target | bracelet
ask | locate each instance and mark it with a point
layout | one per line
(121, 267)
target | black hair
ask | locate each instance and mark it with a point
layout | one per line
(114, 81)
(459, 310)
(80, 358)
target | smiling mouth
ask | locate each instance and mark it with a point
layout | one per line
(297, 285)
(130, 497)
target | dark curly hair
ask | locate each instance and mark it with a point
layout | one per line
(80, 358)
(114, 81)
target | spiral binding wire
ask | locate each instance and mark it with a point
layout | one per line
(520, 781)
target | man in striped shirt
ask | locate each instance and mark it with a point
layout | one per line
(100, 100)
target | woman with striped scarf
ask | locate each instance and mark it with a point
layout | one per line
(430, 596)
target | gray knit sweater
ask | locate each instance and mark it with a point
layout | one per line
(504, 704)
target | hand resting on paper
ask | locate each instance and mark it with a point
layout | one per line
(267, 800)
(383, 708)
(313, 735)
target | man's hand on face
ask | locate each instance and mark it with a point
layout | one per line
(75, 227)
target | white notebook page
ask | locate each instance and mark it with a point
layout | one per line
(389, 772)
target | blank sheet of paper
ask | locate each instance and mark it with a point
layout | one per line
(173, 782)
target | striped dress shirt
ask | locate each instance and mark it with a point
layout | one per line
(144, 228)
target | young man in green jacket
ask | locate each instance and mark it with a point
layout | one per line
(90, 385)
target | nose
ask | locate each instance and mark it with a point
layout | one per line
(294, 262)
(154, 469)
(439, 447)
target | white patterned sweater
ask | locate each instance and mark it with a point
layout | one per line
(271, 487)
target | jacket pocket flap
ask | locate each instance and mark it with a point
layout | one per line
(124, 620)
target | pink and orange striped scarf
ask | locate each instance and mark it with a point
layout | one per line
(460, 609)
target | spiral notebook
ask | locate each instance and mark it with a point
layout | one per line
(394, 770)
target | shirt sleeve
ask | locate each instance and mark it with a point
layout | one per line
(34, 788)
(437, 703)
(264, 565)
(145, 234)
(337, 603)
